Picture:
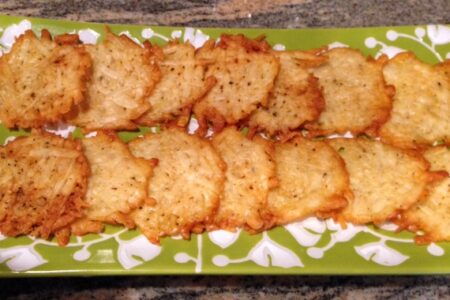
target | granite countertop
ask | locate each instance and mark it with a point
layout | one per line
(234, 13)
(239, 13)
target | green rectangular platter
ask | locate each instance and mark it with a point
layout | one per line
(308, 247)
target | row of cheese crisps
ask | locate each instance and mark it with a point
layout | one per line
(118, 84)
(172, 183)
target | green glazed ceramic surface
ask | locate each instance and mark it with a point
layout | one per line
(308, 247)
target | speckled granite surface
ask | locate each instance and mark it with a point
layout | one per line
(239, 13)
(232, 287)
(234, 13)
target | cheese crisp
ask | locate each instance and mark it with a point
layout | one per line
(42, 185)
(356, 96)
(384, 179)
(182, 83)
(296, 97)
(421, 112)
(312, 181)
(186, 185)
(117, 184)
(124, 75)
(432, 215)
(40, 80)
(245, 71)
(250, 175)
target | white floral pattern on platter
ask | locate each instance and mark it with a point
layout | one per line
(437, 34)
(26, 257)
(266, 252)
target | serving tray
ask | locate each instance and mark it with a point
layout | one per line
(308, 247)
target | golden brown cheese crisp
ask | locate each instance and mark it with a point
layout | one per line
(356, 96)
(385, 180)
(124, 75)
(40, 80)
(296, 97)
(183, 82)
(42, 184)
(432, 215)
(245, 71)
(444, 68)
(249, 176)
(186, 185)
(117, 184)
(312, 181)
(421, 111)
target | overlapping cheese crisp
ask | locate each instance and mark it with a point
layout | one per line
(312, 181)
(421, 111)
(40, 80)
(186, 186)
(124, 75)
(432, 215)
(117, 184)
(250, 175)
(43, 181)
(356, 96)
(385, 180)
(245, 71)
(183, 82)
(296, 97)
